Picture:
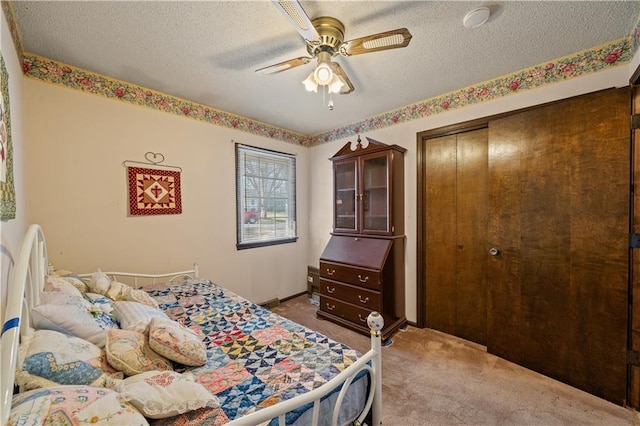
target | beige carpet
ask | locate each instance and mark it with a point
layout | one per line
(431, 378)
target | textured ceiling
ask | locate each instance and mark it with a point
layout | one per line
(207, 51)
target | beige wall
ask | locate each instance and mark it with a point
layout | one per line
(77, 190)
(405, 135)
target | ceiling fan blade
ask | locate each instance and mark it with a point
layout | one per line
(283, 66)
(348, 87)
(294, 12)
(376, 42)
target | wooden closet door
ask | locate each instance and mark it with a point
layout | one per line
(456, 203)
(634, 368)
(559, 214)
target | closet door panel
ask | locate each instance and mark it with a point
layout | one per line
(440, 244)
(471, 236)
(559, 212)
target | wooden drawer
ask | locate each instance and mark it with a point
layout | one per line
(346, 311)
(356, 295)
(351, 274)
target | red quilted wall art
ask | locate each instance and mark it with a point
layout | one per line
(154, 191)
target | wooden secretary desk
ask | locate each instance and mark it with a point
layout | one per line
(362, 266)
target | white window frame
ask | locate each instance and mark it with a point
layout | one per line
(266, 186)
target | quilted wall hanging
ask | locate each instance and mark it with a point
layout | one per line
(153, 190)
(7, 189)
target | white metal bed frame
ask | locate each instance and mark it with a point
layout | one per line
(23, 293)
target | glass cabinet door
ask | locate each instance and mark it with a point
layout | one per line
(375, 190)
(345, 196)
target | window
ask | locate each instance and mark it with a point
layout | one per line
(266, 197)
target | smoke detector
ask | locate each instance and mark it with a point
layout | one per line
(476, 17)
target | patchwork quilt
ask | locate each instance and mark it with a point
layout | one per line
(255, 358)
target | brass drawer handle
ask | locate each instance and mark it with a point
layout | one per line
(365, 300)
(363, 280)
(362, 319)
(331, 290)
(331, 272)
(331, 307)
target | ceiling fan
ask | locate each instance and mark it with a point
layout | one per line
(324, 37)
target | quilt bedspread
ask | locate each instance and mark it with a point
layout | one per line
(255, 358)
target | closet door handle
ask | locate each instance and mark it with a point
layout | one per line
(363, 280)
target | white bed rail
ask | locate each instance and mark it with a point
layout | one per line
(135, 278)
(27, 280)
(370, 362)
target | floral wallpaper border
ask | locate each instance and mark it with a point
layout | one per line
(608, 55)
(578, 64)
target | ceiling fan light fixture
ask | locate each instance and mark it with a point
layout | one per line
(336, 84)
(310, 83)
(323, 73)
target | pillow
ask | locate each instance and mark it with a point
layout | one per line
(120, 291)
(99, 282)
(161, 394)
(96, 298)
(140, 296)
(49, 358)
(116, 290)
(73, 405)
(72, 319)
(60, 284)
(61, 298)
(129, 352)
(176, 342)
(77, 282)
(135, 316)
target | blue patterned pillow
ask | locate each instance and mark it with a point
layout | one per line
(48, 358)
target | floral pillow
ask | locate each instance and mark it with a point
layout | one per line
(161, 394)
(73, 405)
(136, 316)
(50, 358)
(129, 352)
(176, 342)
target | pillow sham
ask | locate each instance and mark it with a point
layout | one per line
(129, 352)
(141, 296)
(49, 358)
(120, 291)
(61, 298)
(98, 282)
(162, 394)
(77, 282)
(73, 405)
(60, 284)
(136, 316)
(176, 342)
(72, 319)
